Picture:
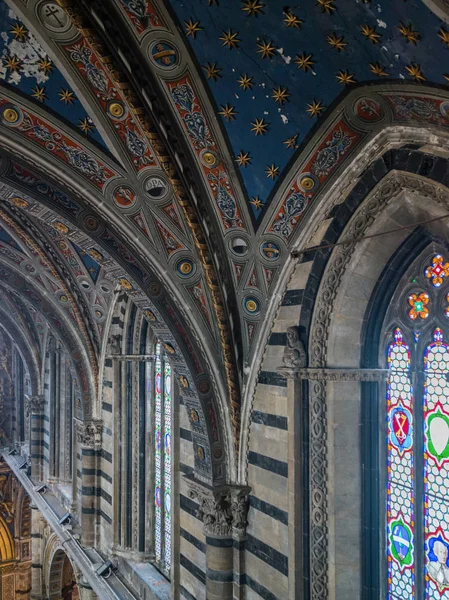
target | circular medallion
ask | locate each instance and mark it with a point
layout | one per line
(164, 55)
(150, 315)
(368, 110)
(251, 305)
(156, 188)
(98, 313)
(185, 267)
(184, 382)
(194, 416)
(204, 386)
(126, 285)
(169, 348)
(154, 288)
(218, 453)
(270, 251)
(61, 227)
(444, 109)
(53, 17)
(239, 246)
(209, 158)
(91, 223)
(124, 196)
(308, 182)
(10, 115)
(95, 254)
(19, 202)
(201, 453)
(116, 109)
(63, 298)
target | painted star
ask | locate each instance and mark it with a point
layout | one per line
(230, 39)
(344, 77)
(415, 72)
(228, 112)
(86, 125)
(410, 34)
(192, 27)
(378, 69)
(245, 82)
(212, 71)
(371, 34)
(280, 95)
(336, 42)
(315, 109)
(290, 143)
(326, 6)
(266, 49)
(212, 2)
(292, 20)
(243, 159)
(253, 7)
(259, 127)
(272, 171)
(39, 93)
(256, 202)
(46, 65)
(66, 96)
(305, 62)
(19, 31)
(444, 35)
(13, 63)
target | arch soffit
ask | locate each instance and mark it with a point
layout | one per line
(7, 552)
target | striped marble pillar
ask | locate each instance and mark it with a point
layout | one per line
(223, 511)
(88, 438)
(35, 410)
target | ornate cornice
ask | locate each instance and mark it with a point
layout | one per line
(335, 374)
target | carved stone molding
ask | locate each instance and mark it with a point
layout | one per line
(34, 405)
(313, 374)
(222, 510)
(89, 433)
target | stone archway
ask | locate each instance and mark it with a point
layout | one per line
(62, 584)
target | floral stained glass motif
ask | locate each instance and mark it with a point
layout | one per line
(158, 455)
(167, 464)
(400, 484)
(436, 469)
(418, 303)
(437, 271)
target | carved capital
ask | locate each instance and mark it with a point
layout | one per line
(34, 405)
(223, 510)
(89, 433)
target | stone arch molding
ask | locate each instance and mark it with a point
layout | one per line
(335, 342)
(54, 558)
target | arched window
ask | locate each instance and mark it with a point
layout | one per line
(162, 460)
(417, 431)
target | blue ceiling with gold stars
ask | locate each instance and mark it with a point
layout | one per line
(274, 68)
(25, 66)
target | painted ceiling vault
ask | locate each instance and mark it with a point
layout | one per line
(273, 69)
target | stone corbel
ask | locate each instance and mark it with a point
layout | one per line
(89, 433)
(34, 405)
(223, 510)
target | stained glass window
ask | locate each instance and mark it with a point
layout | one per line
(417, 453)
(162, 460)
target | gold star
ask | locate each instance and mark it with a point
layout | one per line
(272, 171)
(19, 31)
(66, 96)
(345, 77)
(378, 69)
(230, 39)
(46, 65)
(266, 49)
(259, 127)
(256, 202)
(444, 35)
(252, 7)
(192, 27)
(39, 93)
(415, 72)
(86, 125)
(305, 62)
(228, 112)
(290, 143)
(243, 159)
(210, 2)
(280, 95)
(326, 6)
(292, 20)
(370, 33)
(410, 34)
(212, 71)
(315, 109)
(245, 82)
(336, 42)
(13, 63)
